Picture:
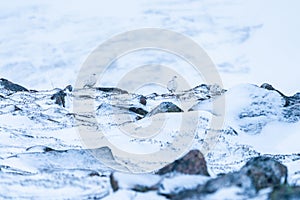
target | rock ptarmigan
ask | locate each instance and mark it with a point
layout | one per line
(90, 82)
(172, 84)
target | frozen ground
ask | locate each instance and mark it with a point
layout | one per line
(42, 152)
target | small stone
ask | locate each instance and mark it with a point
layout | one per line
(16, 108)
(139, 111)
(267, 86)
(69, 87)
(143, 100)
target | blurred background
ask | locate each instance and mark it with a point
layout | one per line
(44, 44)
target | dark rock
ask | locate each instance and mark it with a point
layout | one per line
(152, 95)
(139, 111)
(138, 118)
(165, 107)
(94, 173)
(230, 131)
(112, 90)
(270, 87)
(291, 111)
(192, 163)
(258, 173)
(69, 87)
(12, 86)
(113, 182)
(267, 86)
(143, 100)
(39, 148)
(229, 180)
(265, 172)
(59, 98)
(285, 192)
(16, 108)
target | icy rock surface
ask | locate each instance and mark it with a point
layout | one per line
(42, 155)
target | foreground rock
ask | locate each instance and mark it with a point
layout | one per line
(192, 163)
(257, 174)
(265, 172)
(136, 182)
(285, 192)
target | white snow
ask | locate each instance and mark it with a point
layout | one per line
(173, 185)
(230, 193)
(129, 181)
(275, 138)
(131, 195)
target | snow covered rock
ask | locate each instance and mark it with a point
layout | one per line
(6, 84)
(171, 186)
(265, 172)
(139, 111)
(163, 108)
(112, 90)
(136, 182)
(285, 192)
(257, 174)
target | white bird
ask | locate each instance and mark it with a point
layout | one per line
(90, 82)
(172, 85)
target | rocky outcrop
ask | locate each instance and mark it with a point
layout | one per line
(139, 111)
(112, 90)
(291, 110)
(6, 84)
(270, 87)
(164, 107)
